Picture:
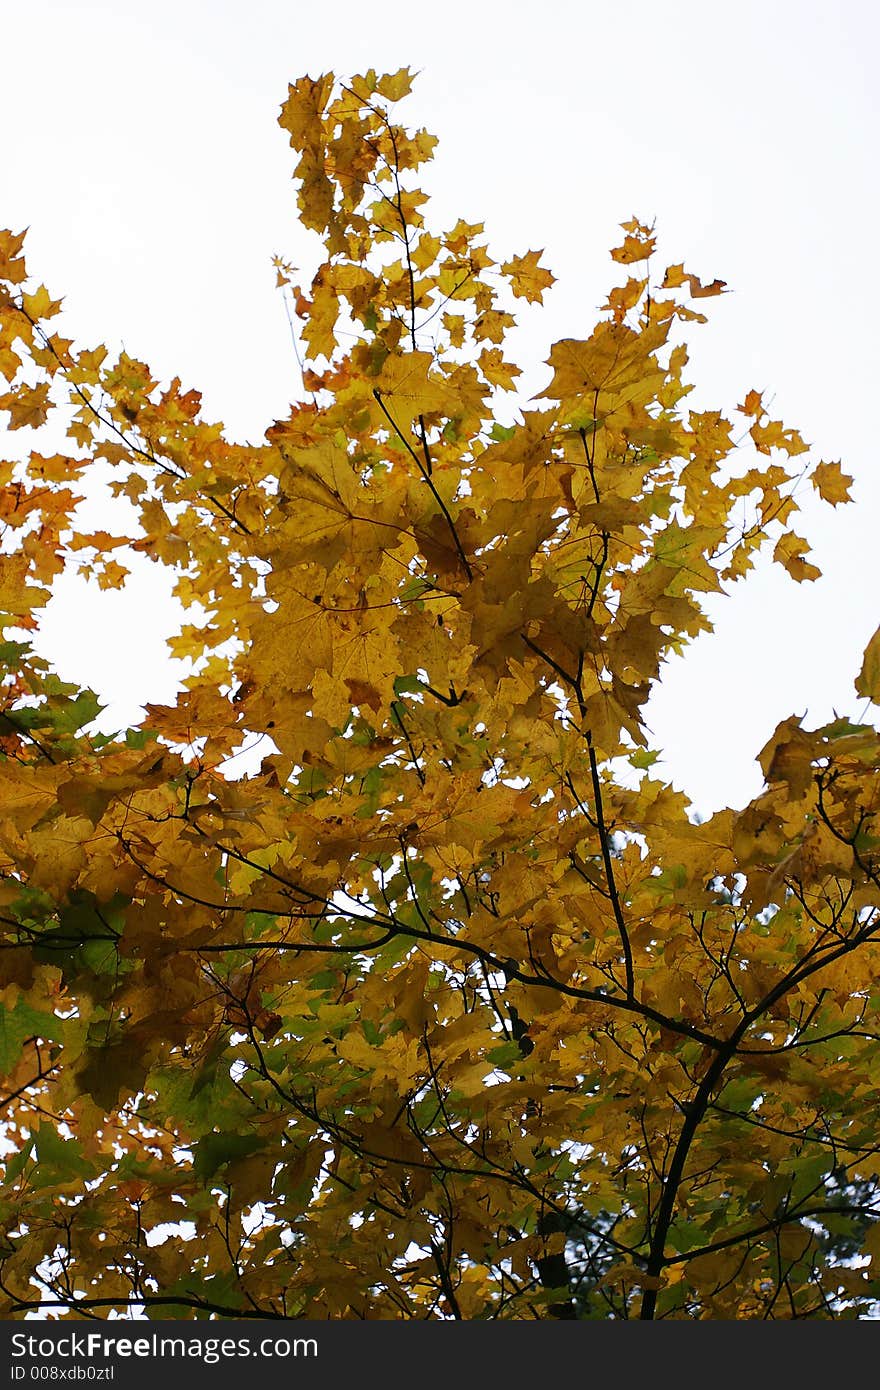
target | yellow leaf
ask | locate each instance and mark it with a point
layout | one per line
(868, 679)
(774, 435)
(17, 597)
(831, 483)
(304, 107)
(28, 406)
(455, 326)
(677, 275)
(496, 370)
(12, 266)
(395, 86)
(409, 390)
(112, 575)
(638, 244)
(752, 405)
(788, 757)
(39, 306)
(612, 359)
(625, 297)
(790, 551)
(528, 279)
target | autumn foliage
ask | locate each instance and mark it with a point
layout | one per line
(447, 1008)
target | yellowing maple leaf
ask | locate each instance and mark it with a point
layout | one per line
(28, 406)
(39, 305)
(383, 927)
(677, 275)
(498, 371)
(305, 104)
(868, 679)
(789, 551)
(774, 435)
(17, 597)
(12, 265)
(638, 244)
(625, 297)
(528, 279)
(395, 85)
(409, 388)
(612, 360)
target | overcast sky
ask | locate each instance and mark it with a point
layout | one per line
(141, 148)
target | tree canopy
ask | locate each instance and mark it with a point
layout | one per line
(447, 1007)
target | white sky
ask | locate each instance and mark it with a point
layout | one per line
(141, 148)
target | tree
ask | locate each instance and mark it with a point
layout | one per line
(448, 1009)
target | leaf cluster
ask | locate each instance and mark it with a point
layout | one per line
(446, 1008)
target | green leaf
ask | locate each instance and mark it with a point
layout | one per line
(58, 1158)
(505, 1056)
(20, 1023)
(17, 1162)
(501, 433)
(138, 738)
(644, 758)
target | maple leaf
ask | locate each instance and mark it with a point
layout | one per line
(625, 297)
(752, 405)
(528, 279)
(28, 406)
(39, 304)
(677, 275)
(774, 435)
(496, 370)
(12, 265)
(409, 389)
(17, 597)
(395, 85)
(868, 679)
(112, 575)
(306, 101)
(831, 483)
(790, 551)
